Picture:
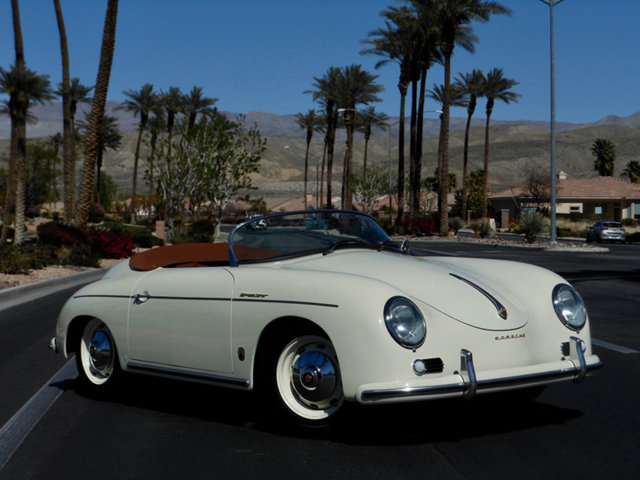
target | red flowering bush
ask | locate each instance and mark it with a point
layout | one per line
(110, 244)
(420, 225)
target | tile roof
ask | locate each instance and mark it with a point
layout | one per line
(583, 188)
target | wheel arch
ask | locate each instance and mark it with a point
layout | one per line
(280, 326)
(74, 332)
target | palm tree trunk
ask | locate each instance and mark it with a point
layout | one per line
(68, 154)
(444, 139)
(364, 160)
(20, 119)
(9, 196)
(331, 137)
(412, 146)
(306, 165)
(97, 111)
(419, 130)
(403, 97)
(348, 192)
(485, 173)
(465, 160)
(136, 159)
(324, 160)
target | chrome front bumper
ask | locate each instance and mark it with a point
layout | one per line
(468, 385)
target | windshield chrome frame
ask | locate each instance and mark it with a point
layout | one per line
(233, 260)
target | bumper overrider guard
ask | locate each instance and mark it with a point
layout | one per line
(470, 385)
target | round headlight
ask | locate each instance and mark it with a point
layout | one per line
(405, 322)
(569, 306)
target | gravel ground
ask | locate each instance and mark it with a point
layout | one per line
(54, 271)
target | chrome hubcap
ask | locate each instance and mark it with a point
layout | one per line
(101, 353)
(314, 376)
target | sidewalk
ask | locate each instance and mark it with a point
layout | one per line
(11, 297)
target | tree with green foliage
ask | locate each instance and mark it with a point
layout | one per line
(474, 194)
(211, 162)
(355, 86)
(455, 17)
(195, 103)
(310, 122)
(496, 87)
(605, 152)
(109, 137)
(369, 188)
(143, 102)
(470, 84)
(366, 121)
(632, 171)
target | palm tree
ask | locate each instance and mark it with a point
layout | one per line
(142, 102)
(173, 102)
(632, 171)
(471, 85)
(425, 54)
(310, 122)
(34, 88)
(195, 104)
(605, 152)
(456, 99)
(97, 111)
(354, 87)
(366, 121)
(454, 17)
(76, 92)
(396, 43)
(108, 138)
(156, 125)
(325, 95)
(496, 87)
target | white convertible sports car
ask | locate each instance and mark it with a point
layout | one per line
(320, 307)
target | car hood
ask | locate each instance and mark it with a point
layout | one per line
(472, 291)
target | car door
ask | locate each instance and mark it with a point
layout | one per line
(180, 318)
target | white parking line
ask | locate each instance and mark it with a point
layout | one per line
(612, 346)
(20, 425)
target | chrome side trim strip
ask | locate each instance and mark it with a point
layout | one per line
(460, 388)
(187, 375)
(502, 312)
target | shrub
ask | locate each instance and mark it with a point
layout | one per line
(108, 244)
(21, 259)
(420, 225)
(456, 223)
(532, 225)
(78, 256)
(482, 228)
(59, 234)
(96, 212)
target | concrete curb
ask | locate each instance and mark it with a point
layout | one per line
(10, 297)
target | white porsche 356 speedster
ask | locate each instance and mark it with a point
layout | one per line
(320, 307)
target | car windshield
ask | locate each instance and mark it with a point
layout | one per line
(299, 233)
(611, 224)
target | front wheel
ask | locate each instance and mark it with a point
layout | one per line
(96, 357)
(306, 380)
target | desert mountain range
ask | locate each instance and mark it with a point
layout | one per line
(515, 146)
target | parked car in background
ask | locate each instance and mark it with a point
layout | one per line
(606, 231)
(316, 308)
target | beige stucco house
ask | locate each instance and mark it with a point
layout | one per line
(603, 197)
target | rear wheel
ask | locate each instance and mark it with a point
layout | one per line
(305, 379)
(96, 357)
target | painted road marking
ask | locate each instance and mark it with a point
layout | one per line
(14, 432)
(612, 346)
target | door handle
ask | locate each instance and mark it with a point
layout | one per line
(139, 298)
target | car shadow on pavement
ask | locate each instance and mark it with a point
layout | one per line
(398, 424)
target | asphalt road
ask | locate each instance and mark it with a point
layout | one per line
(155, 428)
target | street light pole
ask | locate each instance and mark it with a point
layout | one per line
(552, 199)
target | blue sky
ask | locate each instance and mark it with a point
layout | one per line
(261, 55)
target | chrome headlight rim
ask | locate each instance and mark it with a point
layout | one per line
(418, 322)
(560, 307)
